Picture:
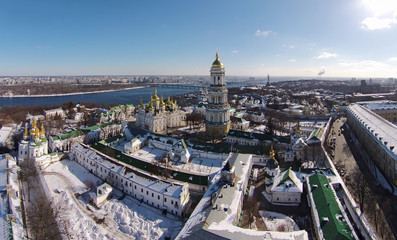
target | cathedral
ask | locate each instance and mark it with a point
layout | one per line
(34, 143)
(158, 116)
(217, 117)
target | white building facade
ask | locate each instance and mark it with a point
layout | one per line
(34, 143)
(158, 116)
(168, 196)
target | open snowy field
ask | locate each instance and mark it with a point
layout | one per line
(122, 219)
(278, 222)
(196, 165)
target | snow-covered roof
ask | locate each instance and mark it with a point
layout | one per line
(4, 133)
(151, 182)
(384, 132)
(135, 142)
(287, 181)
(379, 105)
(299, 143)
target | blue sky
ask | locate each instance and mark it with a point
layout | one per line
(354, 38)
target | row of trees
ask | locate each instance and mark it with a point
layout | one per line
(368, 203)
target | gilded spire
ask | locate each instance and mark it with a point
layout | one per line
(42, 133)
(140, 103)
(34, 124)
(151, 105)
(36, 135)
(217, 63)
(25, 134)
(272, 154)
(162, 104)
(298, 129)
(155, 98)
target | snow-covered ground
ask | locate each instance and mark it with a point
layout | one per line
(123, 219)
(14, 201)
(201, 165)
(196, 165)
(278, 222)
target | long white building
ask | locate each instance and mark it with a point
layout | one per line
(378, 137)
(168, 196)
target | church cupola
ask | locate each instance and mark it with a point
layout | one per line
(26, 133)
(42, 133)
(217, 63)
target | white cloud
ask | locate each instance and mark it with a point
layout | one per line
(393, 59)
(324, 55)
(234, 51)
(264, 33)
(364, 65)
(292, 60)
(288, 46)
(375, 23)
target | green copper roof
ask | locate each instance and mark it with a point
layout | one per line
(91, 128)
(288, 175)
(102, 125)
(148, 167)
(73, 134)
(327, 207)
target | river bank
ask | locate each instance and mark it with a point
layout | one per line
(126, 96)
(71, 94)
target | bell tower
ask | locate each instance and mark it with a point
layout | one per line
(217, 119)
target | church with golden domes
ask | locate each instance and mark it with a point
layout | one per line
(217, 117)
(158, 116)
(34, 143)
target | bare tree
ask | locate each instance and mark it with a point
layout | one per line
(42, 220)
(252, 207)
(360, 188)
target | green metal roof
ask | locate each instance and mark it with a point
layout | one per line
(184, 144)
(73, 134)
(288, 175)
(317, 133)
(327, 207)
(91, 128)
(259, 136)
(102, 125)
(145, 166)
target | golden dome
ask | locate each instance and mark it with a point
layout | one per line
(162, 104)
(272, 154)
(151, 106)
(42, 133)
(217, 63)
(155, 98)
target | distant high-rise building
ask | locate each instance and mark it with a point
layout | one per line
(268, 81)
(217, 119)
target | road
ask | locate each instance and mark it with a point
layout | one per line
(350, 155)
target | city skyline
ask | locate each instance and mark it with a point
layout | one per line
(255, 38)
